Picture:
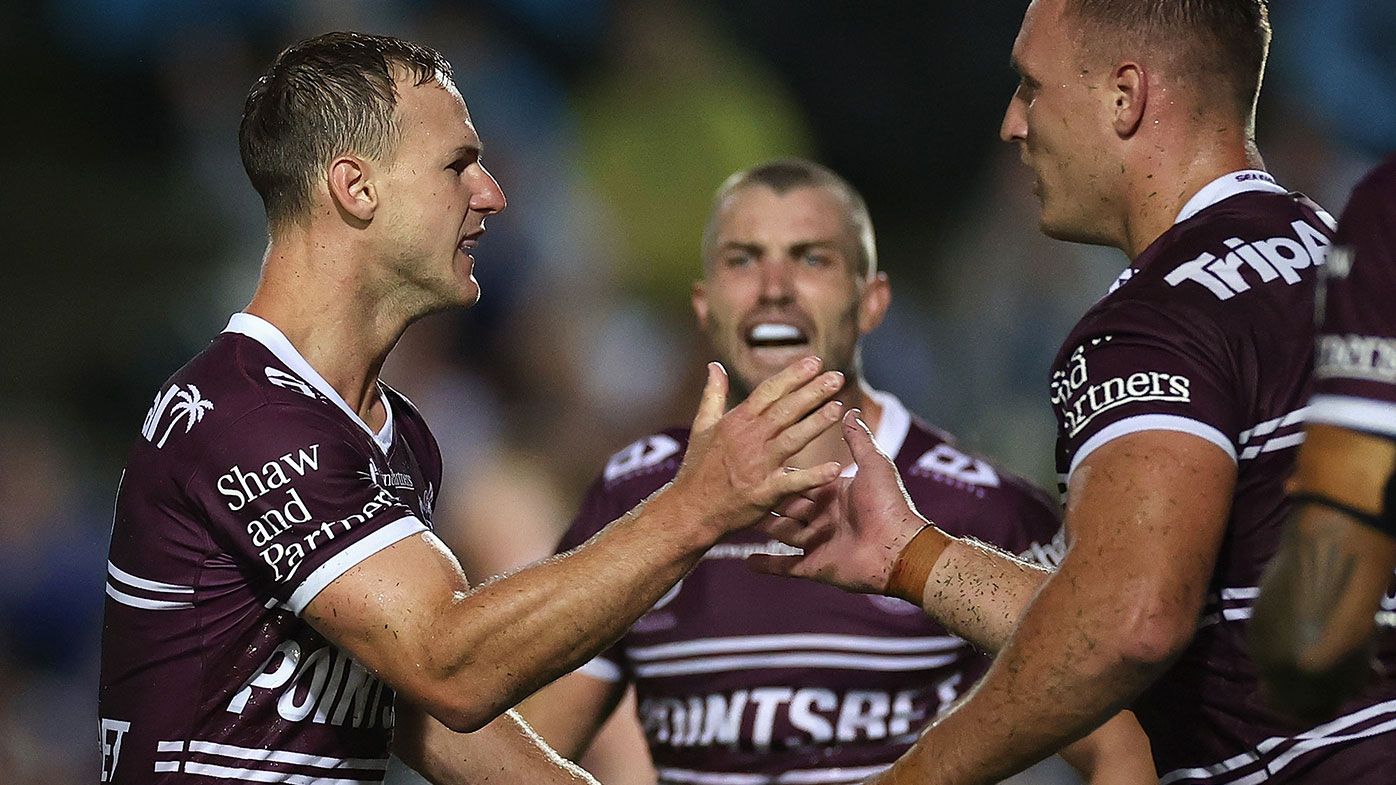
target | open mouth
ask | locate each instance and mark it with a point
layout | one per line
(775, 335)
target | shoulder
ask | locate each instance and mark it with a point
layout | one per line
(1250, 247)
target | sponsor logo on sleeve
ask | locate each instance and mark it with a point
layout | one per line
(1232, 270)
(184, 405)
(1363, 357)
(1079, 400)
(1049, 554)
(113, 731)
(644, 454)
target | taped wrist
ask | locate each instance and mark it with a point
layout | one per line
(1384, 522)
(914, 564)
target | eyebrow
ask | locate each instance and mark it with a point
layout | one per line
(477, 149)
(804, 245)
(1020, 70)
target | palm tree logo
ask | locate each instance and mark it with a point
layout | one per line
(189, 406)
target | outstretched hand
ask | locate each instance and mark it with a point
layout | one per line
(735, 469)
(852, 529)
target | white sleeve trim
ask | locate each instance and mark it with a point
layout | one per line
(1359, 414)
(341, 562)
(1150, 422)
(603, 669)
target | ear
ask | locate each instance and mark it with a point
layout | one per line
(873, 305)
(700, 303)
(352, 190)
(1131, 94)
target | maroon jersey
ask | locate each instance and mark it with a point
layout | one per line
(251, 488)
(1210, 333)
(744, 678)
(1355, 367)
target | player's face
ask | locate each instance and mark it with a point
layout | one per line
(783, 282)
(435, 193)
(1062, 128)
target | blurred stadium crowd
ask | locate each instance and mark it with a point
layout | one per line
(132, 234)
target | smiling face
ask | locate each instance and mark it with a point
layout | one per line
(784, 280)
(1060, 118)
(435, 193)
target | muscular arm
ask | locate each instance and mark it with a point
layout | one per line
(505, 750)
(465, 654)
(1313, 620)
(1146, 512)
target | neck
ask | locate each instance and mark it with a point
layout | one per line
(830, 446)
(341, 327)
(1172, 171)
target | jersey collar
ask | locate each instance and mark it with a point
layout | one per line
(266, 333)
(1227, 186)
(891, 429)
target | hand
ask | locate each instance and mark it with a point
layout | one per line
(735, 469)
(852, 529)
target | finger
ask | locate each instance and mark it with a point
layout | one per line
(714, 400)
(795, 481)
(788, 530)
(798, 436)
(860, 440)
(791, 377)
(801, 508)
(771, 564)
(798, 404)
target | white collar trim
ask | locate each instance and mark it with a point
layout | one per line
(1227, 186)
(892, 428)
(266, 333)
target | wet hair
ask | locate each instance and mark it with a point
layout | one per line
(326, 96)
(789, 174)
(1216, 43)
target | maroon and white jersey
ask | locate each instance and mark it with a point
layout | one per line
(745, 678)
(1210, 333)
(1355, 367)
(251, 487)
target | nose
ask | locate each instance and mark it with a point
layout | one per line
(1015, 121)
(776, 281)
(486, 196)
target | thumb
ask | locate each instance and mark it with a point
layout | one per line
(714, 400)
(859, 437)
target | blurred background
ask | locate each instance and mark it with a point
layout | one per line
(133, 234)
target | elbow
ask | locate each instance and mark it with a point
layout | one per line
(464, 700)
(1154, 633)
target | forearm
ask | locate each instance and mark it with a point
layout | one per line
(506, 750)
(1068, 668)
(1116, 753)
(979, 593)
(512, 635)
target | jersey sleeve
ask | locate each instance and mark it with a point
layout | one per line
(1146, 365)
(599, 508)
(295, 499)
(1355, 361)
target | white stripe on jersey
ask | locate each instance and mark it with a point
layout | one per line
(1149, 422)
(1315, 738)
(866, 662)
(144, 604)
(254, 775)
(831, 776)
(1359, 414)
(284, 756)
(781, 643)
(343, 561)
(144, 583)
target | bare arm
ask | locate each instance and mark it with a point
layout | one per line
(1106, 623)
(851, 533)
(1313, 621)
(465, 654)
(569, 712)
(505, 750)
